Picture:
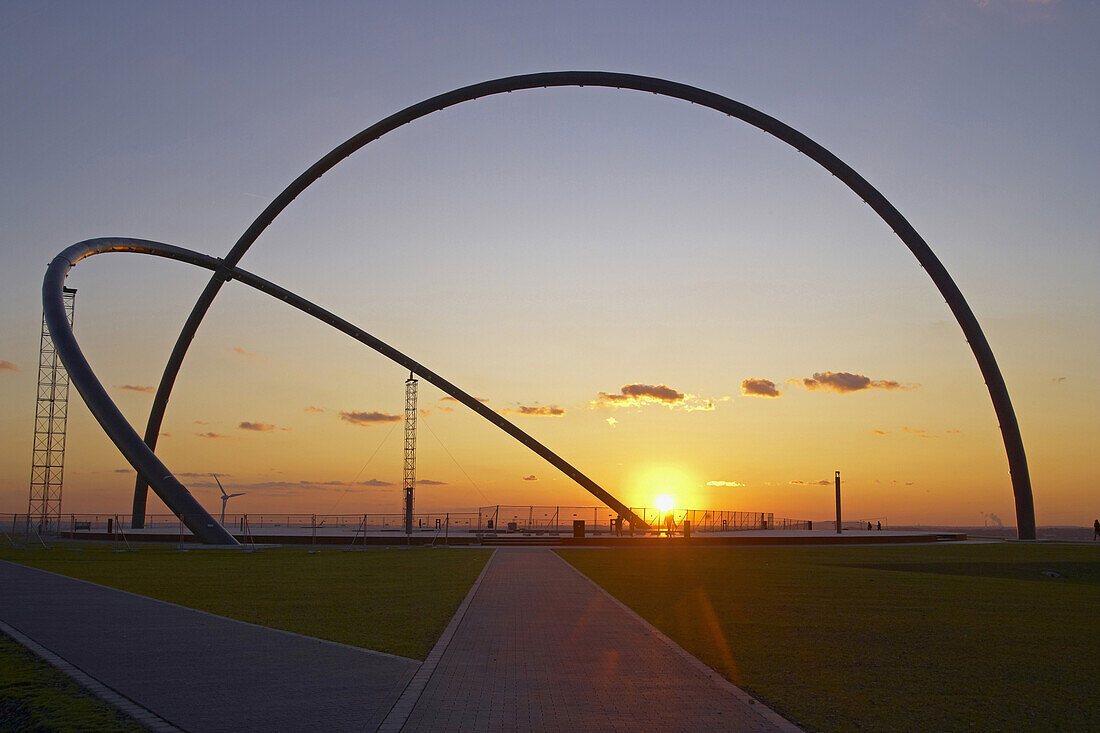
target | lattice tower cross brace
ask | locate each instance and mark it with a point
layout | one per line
(410, 449)
(50, 420)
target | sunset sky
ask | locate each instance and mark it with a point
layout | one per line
(669, 298)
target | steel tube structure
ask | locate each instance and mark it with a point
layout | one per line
(998, 391)
(141, 456)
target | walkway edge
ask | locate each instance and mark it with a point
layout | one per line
(143, 715)
(364, 650)
(402, 709)
(758, 707)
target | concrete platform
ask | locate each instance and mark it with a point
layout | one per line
(331, 538)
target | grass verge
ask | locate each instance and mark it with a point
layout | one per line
(34, 696)
(944, 637)
(392, 600)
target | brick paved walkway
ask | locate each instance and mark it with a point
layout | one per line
(543, 648)
(536, 646)
(198, 671)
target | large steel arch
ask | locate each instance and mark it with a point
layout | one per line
(998, 392)
(141, 456)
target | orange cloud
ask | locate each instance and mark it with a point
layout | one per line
(759, 388)
(532, 477)
(724, 483)
(635, 394)
(210, 435)
(536, 411)
(448, 398)
(258, 427)
(7, 366)
(876, 431)
(638, 395)
(312, 408)
(368, 418)
(845, 382)
(148, 389)
(241, 352)
(822, 482)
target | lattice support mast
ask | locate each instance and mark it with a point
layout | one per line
(50, 419)
(410, 449)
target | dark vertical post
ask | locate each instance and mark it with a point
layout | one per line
(838, 502)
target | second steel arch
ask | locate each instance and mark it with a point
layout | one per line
(998, 391)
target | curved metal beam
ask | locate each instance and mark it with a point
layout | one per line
(998, 392)
(174, 494)
(142, 458)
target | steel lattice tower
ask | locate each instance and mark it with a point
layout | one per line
(50, 419)
(410, 449)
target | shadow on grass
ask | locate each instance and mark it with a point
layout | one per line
(1042, 572)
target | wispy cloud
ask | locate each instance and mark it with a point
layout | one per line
(146, 388)
(822, 482)
(356, 417)
(313, 408)
(532, 477)
(297, 488)
(1056, 380)
(724, 483)
(430, 482)
(448, 398)
(210, 435)
(535, 410)
(845, 382)
(760, 388)
(612, 421)
(7, 366)
(256, 427)
(876, 431)
(241, 352)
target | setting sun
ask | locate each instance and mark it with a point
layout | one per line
(664, 503)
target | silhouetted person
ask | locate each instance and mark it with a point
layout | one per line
(1096, 529)
(868, 526)
(669, 524)
(619, 526)
(879, 526)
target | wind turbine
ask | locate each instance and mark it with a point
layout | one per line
(225, 497)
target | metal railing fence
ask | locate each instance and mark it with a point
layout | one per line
(497, 518)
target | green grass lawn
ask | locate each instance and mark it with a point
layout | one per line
(943, 637)
(392, 600)
(36, 697)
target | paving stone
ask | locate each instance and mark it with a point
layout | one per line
(543, 648)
